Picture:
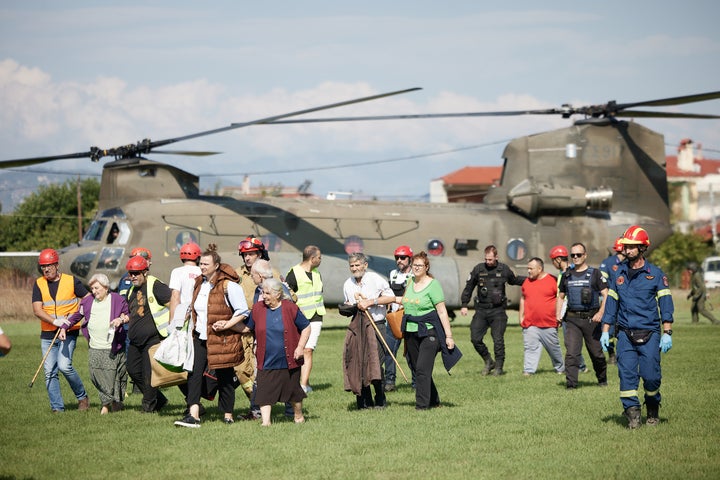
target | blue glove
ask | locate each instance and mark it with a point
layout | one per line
(665, 343)
(605, 341)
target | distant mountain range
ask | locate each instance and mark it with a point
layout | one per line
(15, 186)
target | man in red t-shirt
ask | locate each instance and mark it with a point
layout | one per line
(538, 320)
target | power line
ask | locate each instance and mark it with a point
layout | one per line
(358, 164)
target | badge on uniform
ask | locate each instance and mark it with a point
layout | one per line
(620, 280)
(650, 277)
(665, 281)
(614, 268)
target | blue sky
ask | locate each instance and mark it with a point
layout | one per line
(79, 73)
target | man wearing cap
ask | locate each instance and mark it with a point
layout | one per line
(640, 304)
(55, 297)
(148, 301)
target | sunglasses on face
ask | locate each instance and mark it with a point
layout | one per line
(401, 257)
(577, 255)
(134, 274)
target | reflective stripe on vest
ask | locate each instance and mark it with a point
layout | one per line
(309, 292)
(160, 313)
(64, 304)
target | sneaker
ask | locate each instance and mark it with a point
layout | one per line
(188, 422)
(389, 387)
(306, 388)
(228, 421)
(584, 370)
(250, 416)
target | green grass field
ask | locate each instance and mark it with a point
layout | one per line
(506, 427)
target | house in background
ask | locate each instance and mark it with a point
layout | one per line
(467, 185)
(694, 188)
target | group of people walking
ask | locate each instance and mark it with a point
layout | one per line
(252, 328)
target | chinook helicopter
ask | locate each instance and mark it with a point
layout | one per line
(587, 182)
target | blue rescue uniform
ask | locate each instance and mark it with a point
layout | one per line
(638, 300)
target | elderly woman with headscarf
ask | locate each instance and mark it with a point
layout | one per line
(281, 332)
(104, 314)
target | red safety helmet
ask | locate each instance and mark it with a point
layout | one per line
(48, 257)
(403, 250)
(251, 244)
(143, 252)
(190, 251)
(558, 251)
(635, 235)
(137, 264)
(618, 246)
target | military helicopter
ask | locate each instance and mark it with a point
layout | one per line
(587, 182)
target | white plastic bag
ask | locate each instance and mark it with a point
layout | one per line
(172, 351)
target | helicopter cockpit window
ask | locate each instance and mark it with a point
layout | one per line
(516, 249)
(113, 234)
(181, 238)
(354, 244)
(95, 232)
(110, 258)
(113, 212)
(435, 247)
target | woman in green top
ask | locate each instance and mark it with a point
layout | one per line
(427, 329)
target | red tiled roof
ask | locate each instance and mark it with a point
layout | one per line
(473, 176)
(707, 167)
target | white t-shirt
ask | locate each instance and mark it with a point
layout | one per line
(371, 286)
(182, 279)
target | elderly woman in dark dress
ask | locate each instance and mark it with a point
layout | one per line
(281, 332)
(103, 315)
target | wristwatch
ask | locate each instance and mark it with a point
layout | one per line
(669, 332)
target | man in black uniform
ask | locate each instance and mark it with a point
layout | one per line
(586, 291)
(490, 279)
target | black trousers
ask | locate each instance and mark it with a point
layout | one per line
(577, 329)
(138, 367)
(226, 389)
(496, 320)
(421, 353)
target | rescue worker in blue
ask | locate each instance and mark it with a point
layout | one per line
(639, 301)
(610, 264)
(490, 279)
(584, 287)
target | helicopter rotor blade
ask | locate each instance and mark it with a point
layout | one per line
(644, 114)
(146, 146)
(698, 97)
(189, 153)
(552, 111)
(278, 117)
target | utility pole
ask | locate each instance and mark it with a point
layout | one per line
(79, 209)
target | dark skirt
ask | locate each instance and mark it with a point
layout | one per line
(279, 386)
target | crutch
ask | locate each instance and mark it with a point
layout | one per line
(387, 348)
(42, 362)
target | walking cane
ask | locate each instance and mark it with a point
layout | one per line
(387, 348)
(42, 362)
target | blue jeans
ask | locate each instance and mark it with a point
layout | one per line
(60, 359)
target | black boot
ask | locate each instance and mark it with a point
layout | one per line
(653, 415)
(499, 368)
(489, 365)
(633, 417)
